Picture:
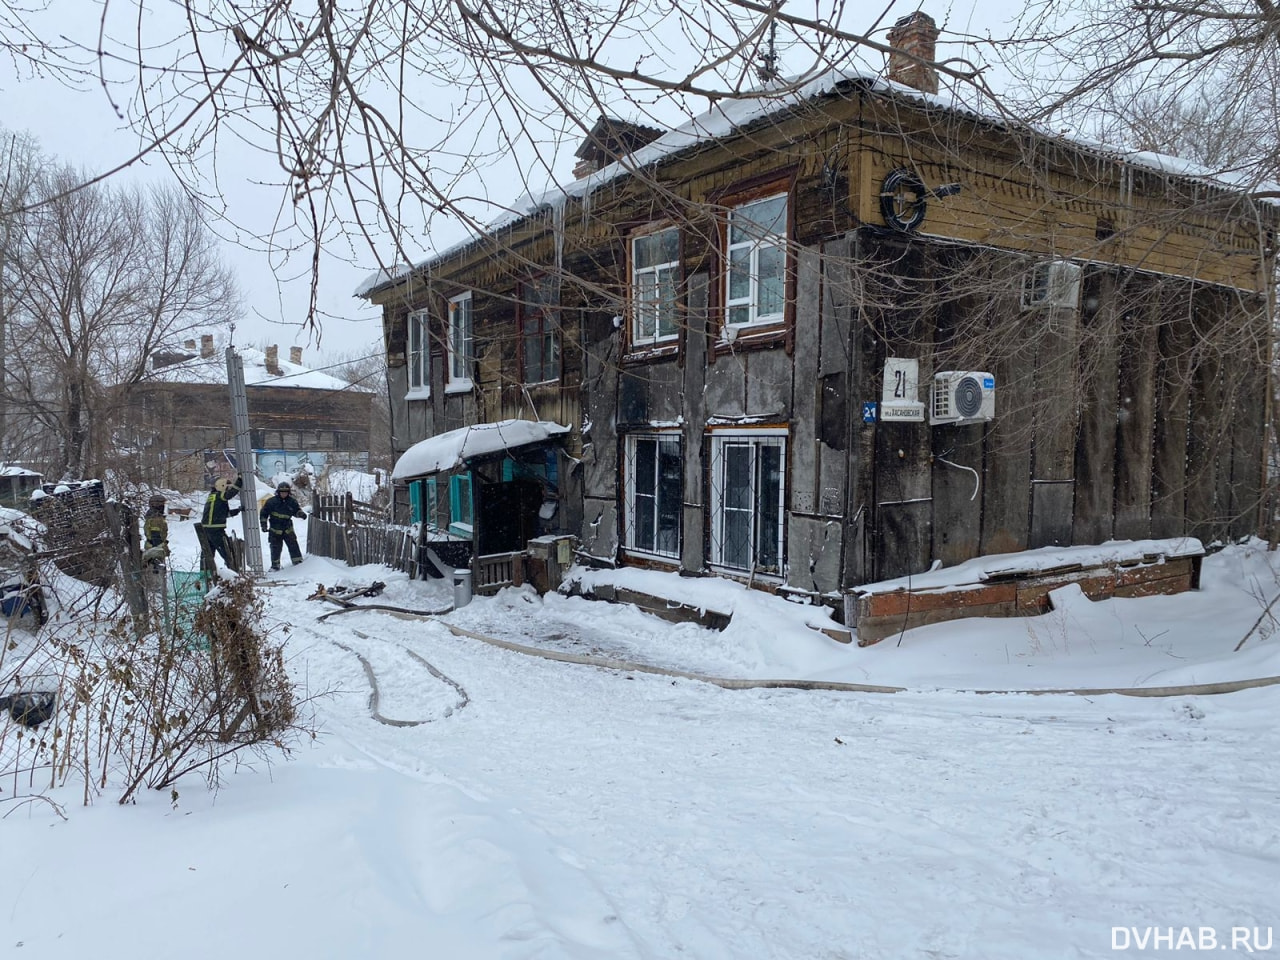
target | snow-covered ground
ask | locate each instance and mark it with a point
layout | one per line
(542, 809)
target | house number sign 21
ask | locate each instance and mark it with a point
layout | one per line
(900, 396)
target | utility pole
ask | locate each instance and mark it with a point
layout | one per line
(244, 460)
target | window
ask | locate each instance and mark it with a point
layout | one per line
(748, 489)
(419, 355)
(538, 332)
(654, 478)
(415, 502)
(655, 270)
(460, 505)
(422, 502)
(461, 344)
(756, 262)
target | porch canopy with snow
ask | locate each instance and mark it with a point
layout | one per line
(495, 485)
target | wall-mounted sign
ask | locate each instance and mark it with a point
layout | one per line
(900, 397)
(868, 411)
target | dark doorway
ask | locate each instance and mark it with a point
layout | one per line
(507, 515)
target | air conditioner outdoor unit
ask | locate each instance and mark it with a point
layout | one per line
(962, 396)
(1055, 283)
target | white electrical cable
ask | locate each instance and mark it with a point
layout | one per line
(960, 466)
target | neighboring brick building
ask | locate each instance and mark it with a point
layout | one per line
(297, 415)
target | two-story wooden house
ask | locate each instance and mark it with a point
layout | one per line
(841, 330)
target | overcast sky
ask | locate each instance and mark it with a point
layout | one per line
(80, 127)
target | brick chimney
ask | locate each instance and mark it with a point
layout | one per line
(915, 35)
(206, 345)
(273, 361)
(295, 355)
(189, 346)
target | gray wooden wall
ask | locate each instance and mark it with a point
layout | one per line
(1138, 415)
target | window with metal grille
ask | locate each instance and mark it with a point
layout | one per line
(748, 492)
(654, 485)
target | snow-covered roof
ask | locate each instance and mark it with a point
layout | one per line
(445, 451)
(730, 115)
(214, 370)
(13, 470)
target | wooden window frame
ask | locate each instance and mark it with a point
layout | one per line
(630, 485)
(547, 325)
(453, 382)
(658, 341)
(418, 360)
(726, 338)
(461, 505)
(754, 438)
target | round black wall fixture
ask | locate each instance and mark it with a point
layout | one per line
(902, 200)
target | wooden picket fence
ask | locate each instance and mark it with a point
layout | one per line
(343, 528)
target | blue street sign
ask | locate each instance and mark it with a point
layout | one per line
(869, 411)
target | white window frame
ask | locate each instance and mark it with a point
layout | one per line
(754, 245)
(720, 439)
(629, 507)
(650, 279)
(460, 306)
(418, 352)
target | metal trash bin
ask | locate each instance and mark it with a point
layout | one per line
(461, 587)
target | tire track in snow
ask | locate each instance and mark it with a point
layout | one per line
(375, 693)
(740, 683)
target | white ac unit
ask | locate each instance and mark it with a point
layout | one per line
(1055, 283)
(962, 396)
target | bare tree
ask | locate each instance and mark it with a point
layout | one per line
(368, 372)
(98, 280)
(1198, 79)
(384, 119)
(19, 162)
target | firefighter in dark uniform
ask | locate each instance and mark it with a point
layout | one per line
(155, 534)
(213, 520)
(277, 515)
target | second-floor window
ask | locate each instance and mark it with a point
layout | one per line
(461, 343)
(756, 262)
(419, 355)
(655, 272)
(539, 331)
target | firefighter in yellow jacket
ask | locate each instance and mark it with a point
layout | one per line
(213, 519)
(155, 533)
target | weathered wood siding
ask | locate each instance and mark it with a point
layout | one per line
(1138, 413)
